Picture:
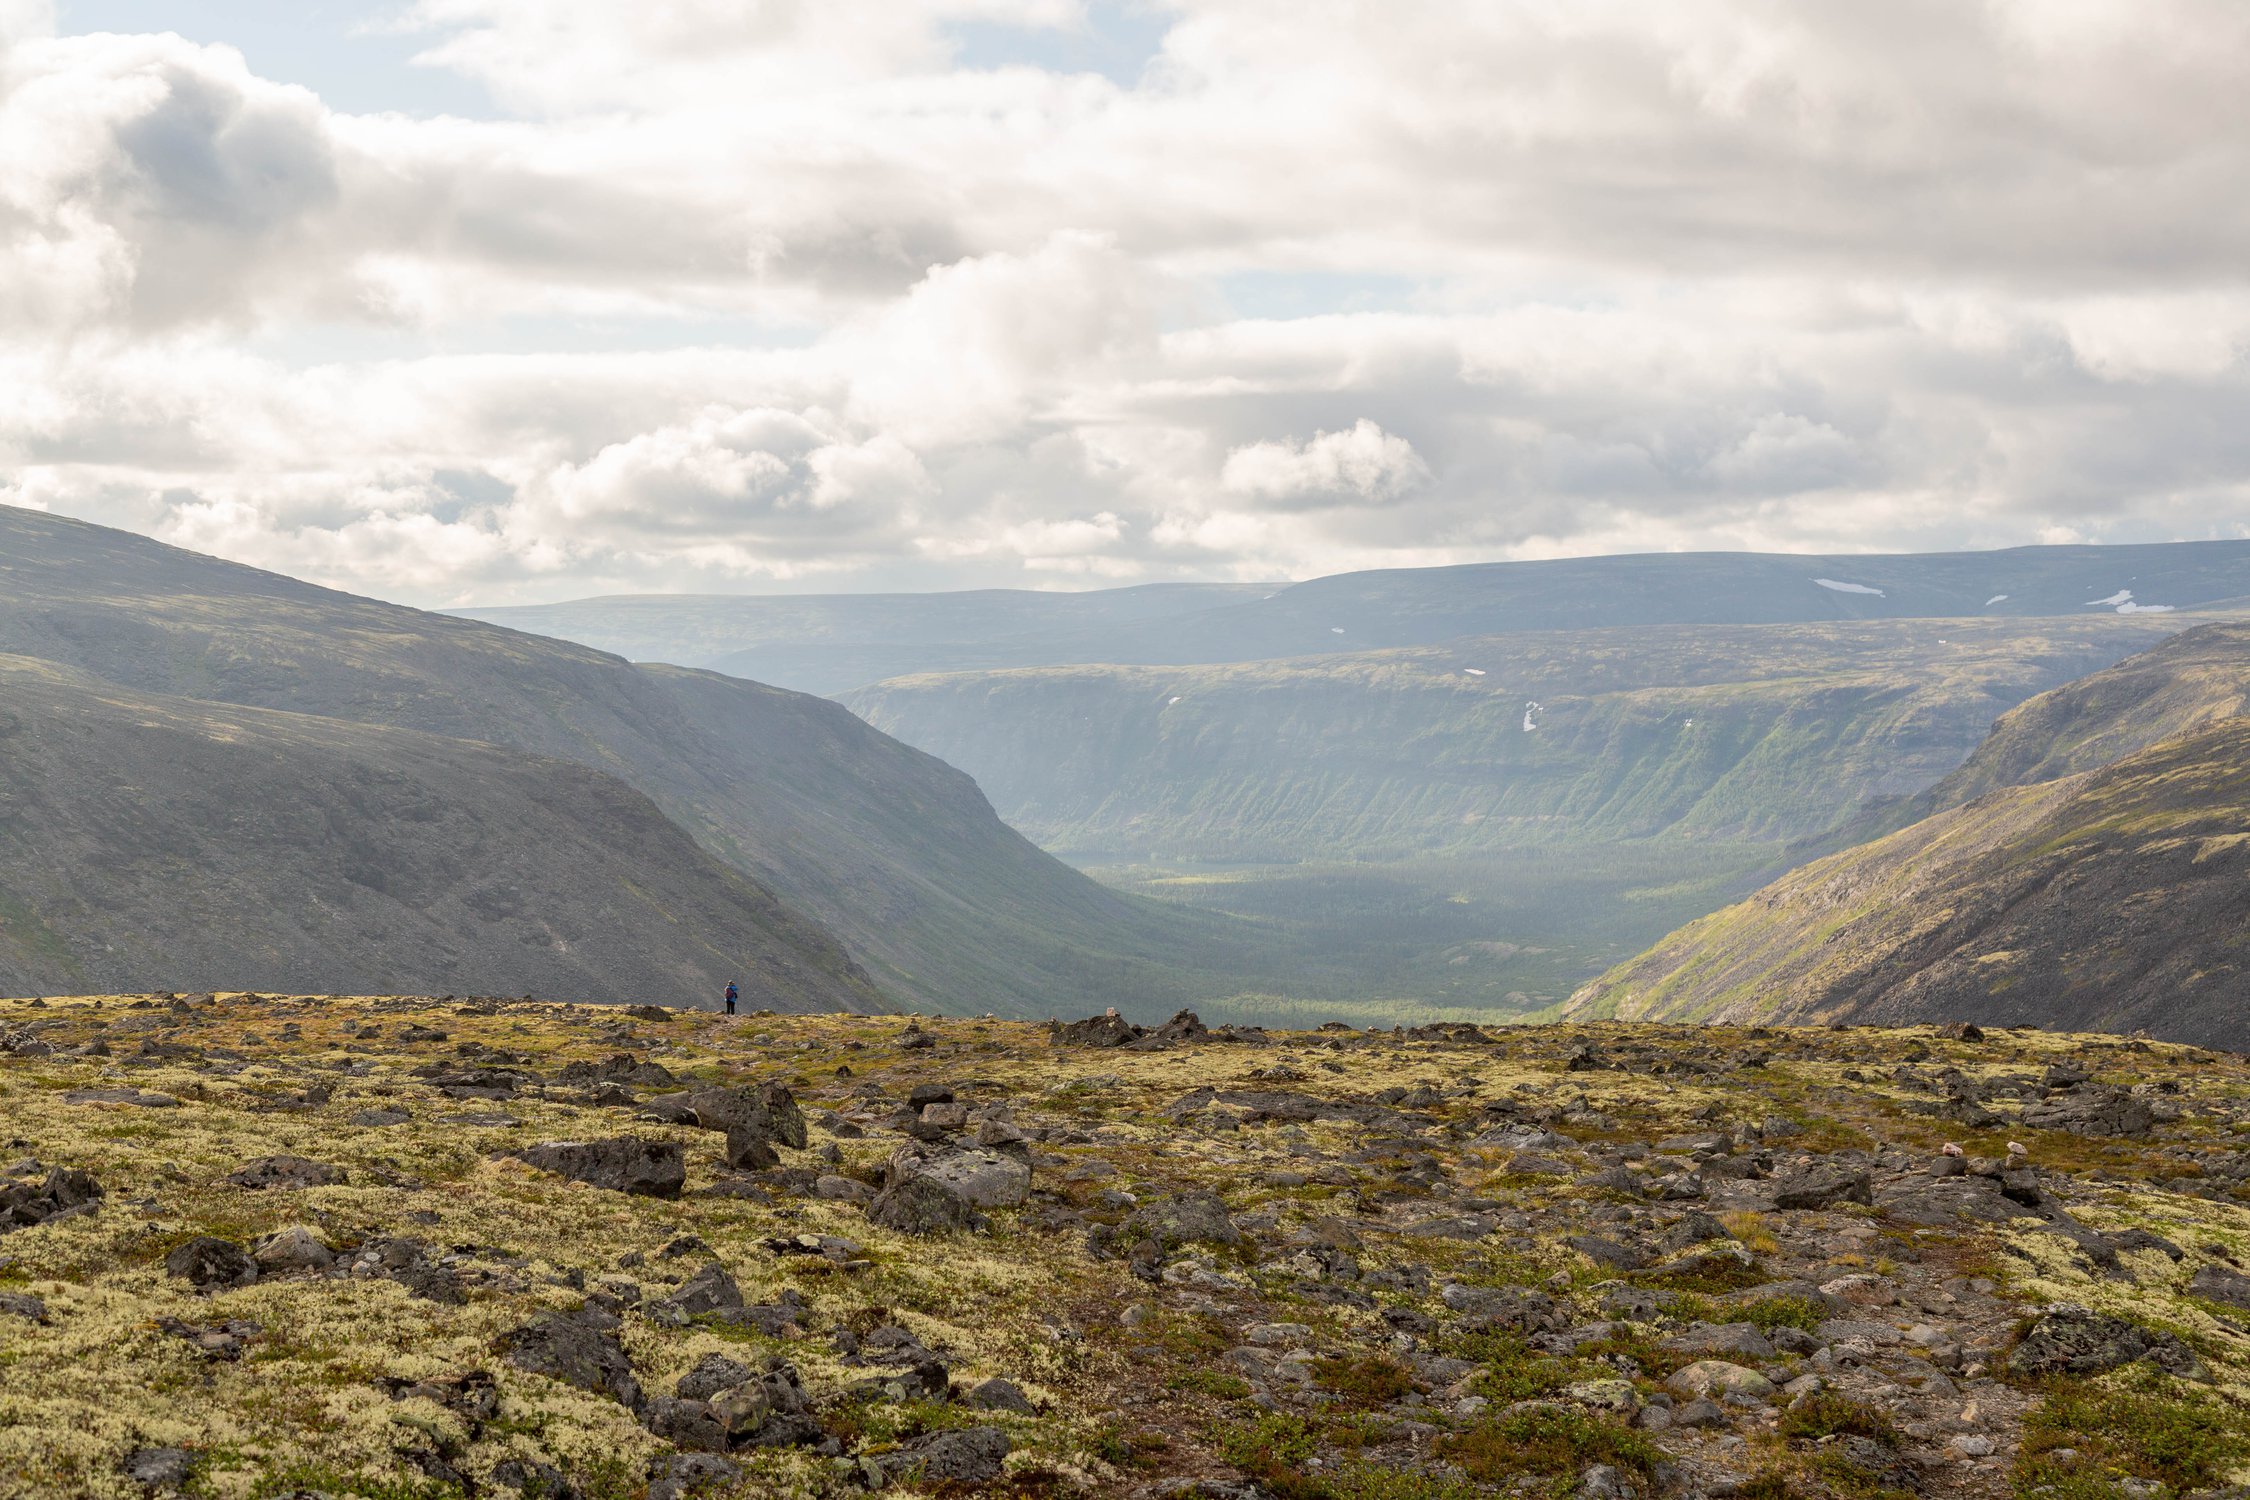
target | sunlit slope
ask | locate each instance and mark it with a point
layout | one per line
(1761, 734)
(2181, 685)
(2111, 900)
(896, 853)
(165, 843)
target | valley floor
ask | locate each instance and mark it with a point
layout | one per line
(265, 1246)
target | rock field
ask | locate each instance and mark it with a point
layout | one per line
(411, 1248)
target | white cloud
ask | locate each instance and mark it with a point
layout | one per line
(832, 308)
(1362, 463)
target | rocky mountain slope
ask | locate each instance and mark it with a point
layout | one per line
(2170, 689)
(388, 1248)
(837, 643)
(2116, 899)
(148, 840)
(1773, 734)
(894, 852)
(1393, 813)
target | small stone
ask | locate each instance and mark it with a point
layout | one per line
(297, 1248)
(159, 1468)
(997, 1394)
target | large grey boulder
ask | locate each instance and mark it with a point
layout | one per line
(2067, 1339)
(624, 1164)
(284, 1172)
(922, 1205)
(210, 1264)
(579, 1349)
(983, 1176)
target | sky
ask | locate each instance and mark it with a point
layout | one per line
(505, 301)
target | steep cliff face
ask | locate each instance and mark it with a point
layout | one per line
(1762, 734)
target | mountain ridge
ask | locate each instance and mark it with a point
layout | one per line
(894, 852)
(186, 845)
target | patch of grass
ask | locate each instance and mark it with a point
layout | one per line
(1750, 1228)
(1546, 1441)
(1210, 1383)
(1769, 1313)
(2154, 1429)
(1830, 1414)
(322, 1479)
(1363, 1380)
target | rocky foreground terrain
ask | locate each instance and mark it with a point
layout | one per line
(263, 1246)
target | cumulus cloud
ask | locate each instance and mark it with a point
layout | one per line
(744, 294)
(1363, 463)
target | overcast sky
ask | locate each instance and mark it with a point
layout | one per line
(515, 300)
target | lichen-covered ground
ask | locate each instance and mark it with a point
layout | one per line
(1604, 1260)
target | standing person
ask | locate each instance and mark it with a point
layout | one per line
(731, 995)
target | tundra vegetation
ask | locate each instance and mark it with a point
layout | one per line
(261, 1246)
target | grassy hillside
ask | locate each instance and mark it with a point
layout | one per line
(160, 842)
(2114, 899)
(836, 643)
(2187, 682)
(896, 853)
(1742, 734)
(1391, 817)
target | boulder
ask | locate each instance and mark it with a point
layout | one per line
(579, 1349)
(624, 1164)
(997, 1394)
(65, 1191)
(984, 1177)
(922, 1205)
(1823, 1186)
(211, 1264)
(692, 1426)
(681, 1475)
(969, 1458)
(1721, 1380)
(709, 1290)
(2092, 1112)
(1111, 1030)
(159, 1468)
(2067, 1339)
(296, 1248)
(712, 1374)
(2220, 1284)
(284, 1172)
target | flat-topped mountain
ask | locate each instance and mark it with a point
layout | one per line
(1771, 733)
(834, 643)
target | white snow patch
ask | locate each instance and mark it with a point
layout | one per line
(2122, 602)
(1848, 588)
(1335, 630)
(1531, 713)
(1995, 599)
(1170, 701)
(1474, 671)
(1690, 724)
